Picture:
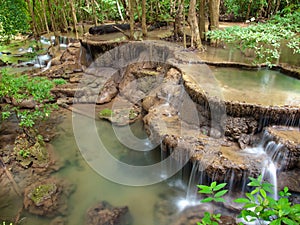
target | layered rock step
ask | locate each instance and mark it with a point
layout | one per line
(184, 106)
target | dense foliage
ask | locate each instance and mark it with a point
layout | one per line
(258, 205)
(13, 18)
(245, 9)
(19, 89)
(265, 39)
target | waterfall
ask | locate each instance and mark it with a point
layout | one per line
(192, 190)
(48, 66)
(269, 173)
(192, 197)
(276, 158)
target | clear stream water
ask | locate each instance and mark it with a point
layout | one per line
(91, 188)
(265, 87)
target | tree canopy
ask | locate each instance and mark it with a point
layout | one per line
(14, 18)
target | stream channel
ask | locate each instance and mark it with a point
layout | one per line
(265, 87)
(91, 188)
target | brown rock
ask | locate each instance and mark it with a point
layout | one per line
(105, 214)
(47, 198)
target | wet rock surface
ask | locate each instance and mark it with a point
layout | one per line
(289, 179)
(168, 97)
(47, 198)
(168, 84)
(105, 214)
(288, 139)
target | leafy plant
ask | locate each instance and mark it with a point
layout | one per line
(264, 39)
(59, 81)
(13, 18)
(215, 193)
(258, 206)
(21, 89)
(106, 113)
(132, 114)
(24, 153)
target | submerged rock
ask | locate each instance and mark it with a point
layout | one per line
(105, 214)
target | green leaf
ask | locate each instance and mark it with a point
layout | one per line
(249, 205)
(220, 193)
(258, 209)
(205, 191)
(242, 200)
(263, 193)
(219, 186)
(209, 199)
(250, 196)
(219, 199)
(213, 184)
(288, 221)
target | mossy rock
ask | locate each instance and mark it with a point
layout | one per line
(28, 153)
(106, 113)
(41, 193)
(120, 117)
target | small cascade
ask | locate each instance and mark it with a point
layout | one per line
(192, 197)
(269, 173)
(275, 151)
(47, 66)
(283, 118)
(63, 42)
(275, 159)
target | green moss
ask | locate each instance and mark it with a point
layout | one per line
(42, 192)
(132, 114)
(106, 113)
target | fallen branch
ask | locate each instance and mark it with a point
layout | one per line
(10, 177)
(122, 31)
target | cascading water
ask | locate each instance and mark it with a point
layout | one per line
(274, 161)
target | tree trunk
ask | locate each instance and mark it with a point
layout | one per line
(52, 17)
(62, 23)
(192, 19)
(74, 17)
(144, 22)
(45, 16)
(202, 19)
(119, 10)
(277, 6)
(179, 18)
(172, 7)
(66, 13)
(248, 10)
(131, 18)
(214, 13)
(34, 28)
(39, 24)
(126, 7)
(94, 13)
(135, 5)
(269, 8)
